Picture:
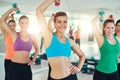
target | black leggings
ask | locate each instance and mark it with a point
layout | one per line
(103, 76)
(17, 70)
(6, 66)
(78, 42)
(70, 77)
(119, 70)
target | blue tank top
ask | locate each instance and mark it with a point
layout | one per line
(57, 48)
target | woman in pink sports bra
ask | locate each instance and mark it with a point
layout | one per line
(22, 41)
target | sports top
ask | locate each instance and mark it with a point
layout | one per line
(57, 48)
(21, 45)
(9, 47)
(109, 56)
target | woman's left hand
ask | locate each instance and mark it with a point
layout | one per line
(74, 69)
(30, 62)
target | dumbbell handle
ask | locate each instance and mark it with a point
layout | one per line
(101, 13)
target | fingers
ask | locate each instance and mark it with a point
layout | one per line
(30, 62)
(74, 69)
(57, 0)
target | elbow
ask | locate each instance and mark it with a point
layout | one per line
(1, 19)
(39, 10)
(36, 51)
(82, 57)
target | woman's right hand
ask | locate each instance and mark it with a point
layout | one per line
(15, 9)
(95, 19)
(56, 0)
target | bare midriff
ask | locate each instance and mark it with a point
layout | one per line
(21, 57)
(60, 67)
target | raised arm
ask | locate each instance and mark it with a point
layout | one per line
(97, 33)
(50, 23)
(42, 22)
(4, 26)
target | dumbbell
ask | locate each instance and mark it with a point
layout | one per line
(15, 6)
(111, 17)
(101, 13)
(57, 3)
(12, 15)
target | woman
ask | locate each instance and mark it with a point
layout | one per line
(22, 44)
(71, 33)
(58, 47)
(117, 33)
(106, 68)
(8, 42)
(77, 36)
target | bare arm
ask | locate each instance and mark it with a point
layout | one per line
(4, 25)
(119, 58)
(42, 22)
(80, 54)
(101, 25)
(35, 44)
(97, 34)
(50, 24)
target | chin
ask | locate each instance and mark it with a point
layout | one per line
(63, 30)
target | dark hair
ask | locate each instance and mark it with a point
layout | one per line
(118, 21)
(105, 23)
(116, 29)
(59, 14)
(22, 17)
(11, 21)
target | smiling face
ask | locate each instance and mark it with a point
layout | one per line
(108, 27)
(24, 23)
(60, 22)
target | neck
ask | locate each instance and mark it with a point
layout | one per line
(23, 32)
(109, 36)
(60, 35)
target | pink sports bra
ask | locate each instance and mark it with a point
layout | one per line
(21, 45)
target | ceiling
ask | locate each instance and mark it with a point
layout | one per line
(76, 7)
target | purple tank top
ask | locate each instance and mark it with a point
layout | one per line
(21, 45)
